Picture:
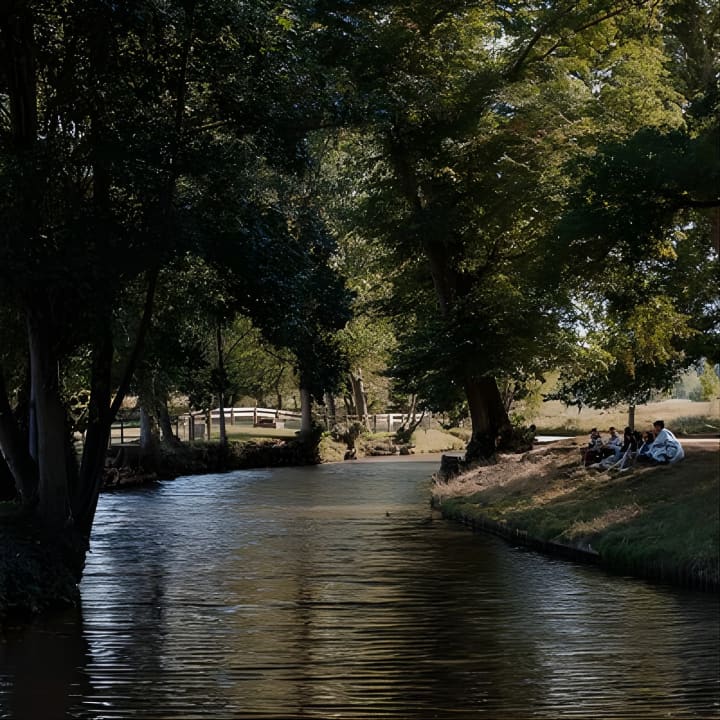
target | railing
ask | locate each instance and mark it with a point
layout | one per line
(377, 422)
(124, 431)
(194, 425)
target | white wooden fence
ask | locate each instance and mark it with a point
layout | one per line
(194, 425)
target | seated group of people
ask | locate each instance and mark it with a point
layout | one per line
(657, 447)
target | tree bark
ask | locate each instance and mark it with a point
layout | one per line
(221, 383)
(18, 32)
(149, 431)
(305, 411)
(331, 409)
(166, 428)
(359, 396)
(97, 435)
(490, 423)
(278, 391)
(52, 426)
(15, 452)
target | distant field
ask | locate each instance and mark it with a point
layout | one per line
(683, 416)
(555, 416)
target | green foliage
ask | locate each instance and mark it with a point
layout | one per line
(462, 166)
(624, 359)
(136, 142)
(709, 382)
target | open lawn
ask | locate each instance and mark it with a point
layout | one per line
(554, 417)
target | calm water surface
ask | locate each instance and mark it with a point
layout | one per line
(333, 592)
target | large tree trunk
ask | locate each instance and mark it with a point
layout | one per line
(305, 411)
(97, 436)
(490, 423)
(52, 426)
(15, 452)
(149, 431)
(491, 427)
(102, 411)
(166, 428)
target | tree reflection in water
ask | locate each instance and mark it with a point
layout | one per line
(334, 592)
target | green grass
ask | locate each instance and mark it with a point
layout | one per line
(660, 521)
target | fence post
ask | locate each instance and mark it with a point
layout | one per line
(122, 432)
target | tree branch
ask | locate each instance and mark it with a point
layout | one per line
(139, 342)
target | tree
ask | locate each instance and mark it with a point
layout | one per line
(123, 130)
(640, 231)
(368, 336)
(709, 382)
(470, 112)
(624, 360)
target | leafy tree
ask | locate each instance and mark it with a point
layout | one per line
(625, 360)
(470, 112)
(709, 382)
(642, 223)
(132, 135)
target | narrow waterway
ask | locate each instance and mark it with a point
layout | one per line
(334, 592)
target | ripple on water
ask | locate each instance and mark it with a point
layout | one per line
(334, 592)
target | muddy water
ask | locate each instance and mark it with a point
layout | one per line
(333, 592)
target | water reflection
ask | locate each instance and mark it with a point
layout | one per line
(43, 668)
(334, 592)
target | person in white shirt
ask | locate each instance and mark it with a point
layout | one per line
(666, 448)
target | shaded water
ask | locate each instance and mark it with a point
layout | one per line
(333, 592)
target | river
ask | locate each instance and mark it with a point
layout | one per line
(335, 592)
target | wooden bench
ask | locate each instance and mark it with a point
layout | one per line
(270, 423)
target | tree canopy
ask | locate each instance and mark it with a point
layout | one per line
(134, 136)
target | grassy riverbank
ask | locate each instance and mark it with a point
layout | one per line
(656, 522)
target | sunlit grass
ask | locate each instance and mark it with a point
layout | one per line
(662, 517)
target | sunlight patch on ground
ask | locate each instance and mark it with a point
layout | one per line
(601, 522)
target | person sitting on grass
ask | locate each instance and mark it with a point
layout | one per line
(665, 448)
(645, 444)
(629, 447)
(622, 453)
(613, 444)
(591, 453)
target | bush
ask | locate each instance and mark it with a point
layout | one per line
(701, 424)
(348, 433)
